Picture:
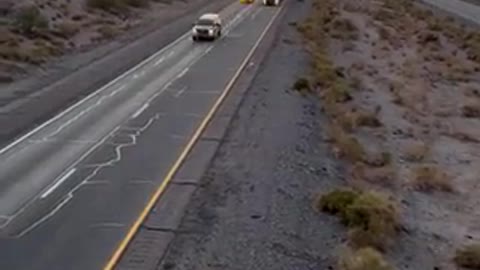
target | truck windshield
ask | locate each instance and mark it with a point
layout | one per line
(204, 22)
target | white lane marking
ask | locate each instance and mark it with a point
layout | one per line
(108, 225)
(111, 83)
(98, 182)
(86, 180)
(180, 92)
(139, 111)
(182, 73)
(255, 13)
(159, 61)
(80, 114)
(118, 147)
(205, 92)
(95, 93)
(194, 115)
(44, 218)
(69, 197)
(141, 182)
(58, 183)
(121, 88)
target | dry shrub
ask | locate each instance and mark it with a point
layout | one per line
(363, 259)
(397, 88)
(67, 29)
(351, 119)
(384, 176)
(29, 20)
(374, 212)
(343, 28)
(116, 5)
(336, 202)
(371, 216)
(108, 31)
(428, 38)
(464, 137)
(430, 178)
(367, 119)
(346, 145)
(338, 92)
(468, 257)
(302, 84)
(471, 110)
(356, 83)
(416, 152)
(378, 159)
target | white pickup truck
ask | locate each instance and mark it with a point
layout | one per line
(208, 26)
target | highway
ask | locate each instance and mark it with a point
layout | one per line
(72, 188)
(465, 10)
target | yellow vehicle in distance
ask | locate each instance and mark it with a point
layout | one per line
(247, 1)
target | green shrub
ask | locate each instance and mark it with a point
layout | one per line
(302, 84)
(468, 256)
(363, 259)
(373, 212)
(337, 201)
(30, 20)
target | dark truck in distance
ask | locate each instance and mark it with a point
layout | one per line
(271, 2)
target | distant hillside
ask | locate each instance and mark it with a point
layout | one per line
(32, 31)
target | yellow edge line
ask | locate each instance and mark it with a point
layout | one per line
(134, 229)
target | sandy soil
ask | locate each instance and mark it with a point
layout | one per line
(57, 27)
(416, 77)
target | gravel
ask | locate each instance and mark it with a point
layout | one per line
(253, 210)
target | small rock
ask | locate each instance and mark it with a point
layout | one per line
(256, 216)
(168, 265)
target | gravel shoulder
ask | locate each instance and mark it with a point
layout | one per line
(252, 210)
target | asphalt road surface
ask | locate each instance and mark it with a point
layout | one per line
(71, 188)
(459, 8)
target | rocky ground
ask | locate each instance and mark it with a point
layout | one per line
(34, 32)
(369, 163)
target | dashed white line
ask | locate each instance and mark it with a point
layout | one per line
(58, 183)
(159, 61)
(181, 74)
(108, 224)
(141, 182)
(117, 90)
(139, 111)
(180, 92)
(46, 217)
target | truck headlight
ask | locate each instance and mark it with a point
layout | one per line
(210, 32)
(194, 31)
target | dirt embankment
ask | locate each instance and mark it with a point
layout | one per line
(401, 88)
(34, 31)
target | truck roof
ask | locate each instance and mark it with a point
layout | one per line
(210, 16)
